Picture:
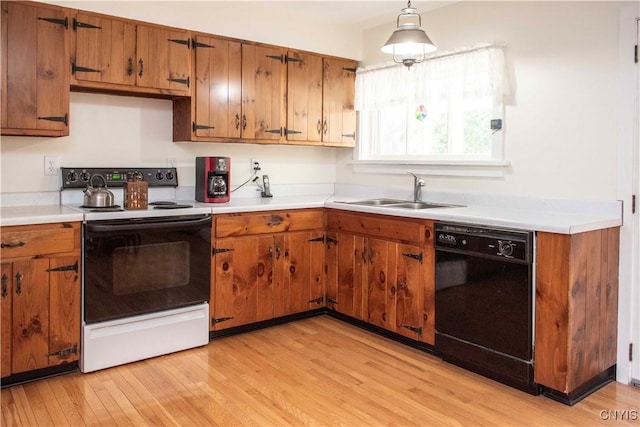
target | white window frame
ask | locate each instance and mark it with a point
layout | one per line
(495, 166)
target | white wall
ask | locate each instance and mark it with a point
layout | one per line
(561, 125)
(114, 131)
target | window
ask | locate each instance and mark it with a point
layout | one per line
(437, 112)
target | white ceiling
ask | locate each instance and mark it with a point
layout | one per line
(361, 14)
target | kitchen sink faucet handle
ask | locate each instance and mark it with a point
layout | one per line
(418, 183)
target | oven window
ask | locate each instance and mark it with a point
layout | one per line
(135, 268)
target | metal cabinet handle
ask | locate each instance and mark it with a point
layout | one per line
(237, 121)
(244, 122)
(5, 285)
(274, 221)
(319, 127)
(277, 252)
(130, 66)
(12, 245)
(19, 277)
(325, 127)
(141, 63)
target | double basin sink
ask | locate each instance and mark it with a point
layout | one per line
(400, 204)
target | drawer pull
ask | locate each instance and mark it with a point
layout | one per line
(12, 245)
(275, 221)
(277, 252)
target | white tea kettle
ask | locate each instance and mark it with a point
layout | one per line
(98, 197)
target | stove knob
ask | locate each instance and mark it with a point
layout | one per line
(170, 176)
(159, 176)
(84, 176)
(139, 175)
(72, 176)
(505, 248)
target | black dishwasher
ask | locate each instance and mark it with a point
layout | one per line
(484, 301)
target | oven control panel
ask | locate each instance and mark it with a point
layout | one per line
(116, 177)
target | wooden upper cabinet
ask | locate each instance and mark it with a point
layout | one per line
(35, 69)
(164, 58)
(263, 95)
(113, 54)
(217, 88)
(338, 94)
(304, 97)
(320, 100)
(105, 49)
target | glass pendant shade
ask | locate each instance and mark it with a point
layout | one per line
(409, 44)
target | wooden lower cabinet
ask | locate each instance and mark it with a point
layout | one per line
(576, 307)
(265, 272)
(40, 299)
(375, 277)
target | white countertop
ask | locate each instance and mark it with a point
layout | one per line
(552, 222)
(41, 214)
(561, 217)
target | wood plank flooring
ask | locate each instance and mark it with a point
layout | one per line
(318, 371)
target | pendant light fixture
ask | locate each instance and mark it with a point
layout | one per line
(409, 44)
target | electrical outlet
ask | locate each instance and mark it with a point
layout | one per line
(51, 165)
(255, 165)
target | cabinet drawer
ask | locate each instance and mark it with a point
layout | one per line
(242, 224)
(40, 239)
(404, 229)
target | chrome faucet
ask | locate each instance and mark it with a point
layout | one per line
(418, 183)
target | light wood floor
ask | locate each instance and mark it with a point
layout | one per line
(318, 371)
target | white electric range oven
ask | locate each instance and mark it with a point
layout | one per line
(146, 273)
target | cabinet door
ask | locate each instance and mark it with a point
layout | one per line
(30, 337)
(218, 98)
(35, 70)
(105, 49)
(263, 92)
(381, 282)
(6, 294)
(242, 291)
(64, 310)
(304, 97)
(410, 280)
(339, 115)
(346, 275)
(164, 58)
(299, 272)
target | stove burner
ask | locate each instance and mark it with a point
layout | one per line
(172, 206)
(105, 209)
(162, 204)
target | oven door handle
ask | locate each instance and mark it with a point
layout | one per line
(142, 225)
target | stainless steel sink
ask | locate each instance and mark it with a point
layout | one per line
(376, 202)
(401, 204)
(419, 205)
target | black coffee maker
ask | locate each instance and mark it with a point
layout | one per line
(213, 179)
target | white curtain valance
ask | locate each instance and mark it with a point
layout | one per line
(473, 73)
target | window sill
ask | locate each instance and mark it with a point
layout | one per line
(472, 168)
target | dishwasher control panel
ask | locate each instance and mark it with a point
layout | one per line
(494, 242)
